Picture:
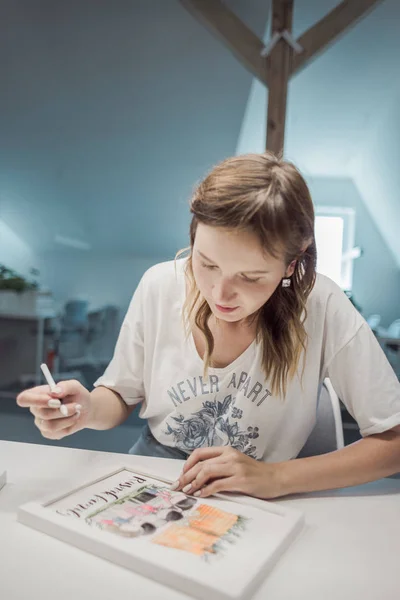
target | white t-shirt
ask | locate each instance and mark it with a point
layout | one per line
(155, 364)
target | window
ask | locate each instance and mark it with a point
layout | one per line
(334, 236)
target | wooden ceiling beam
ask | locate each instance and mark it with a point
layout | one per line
(279, 65)
(223, 23)
(275, 64)
(328, 29)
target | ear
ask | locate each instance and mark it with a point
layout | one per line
(291, 268)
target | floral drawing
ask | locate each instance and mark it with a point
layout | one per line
(211, 426)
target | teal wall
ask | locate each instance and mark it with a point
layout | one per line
(376, 277)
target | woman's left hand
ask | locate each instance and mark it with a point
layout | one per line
(224, 469)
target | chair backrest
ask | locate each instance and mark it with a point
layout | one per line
(394, 329)
(327, 434)
(374, 321)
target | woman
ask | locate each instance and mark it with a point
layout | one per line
(226, 350)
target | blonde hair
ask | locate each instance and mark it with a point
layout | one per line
(267, 196)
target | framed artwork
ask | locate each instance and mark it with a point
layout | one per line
(217, 548)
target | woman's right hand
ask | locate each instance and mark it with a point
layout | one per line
(59, 413)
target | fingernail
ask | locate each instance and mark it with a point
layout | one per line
(64, 410)
(175, 485)
(198, 493)
(187, 488)
(54, 403)
(57, 390)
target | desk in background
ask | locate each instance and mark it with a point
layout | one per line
(22, 345)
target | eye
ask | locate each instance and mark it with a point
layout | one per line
(210, 267)
(249, 280)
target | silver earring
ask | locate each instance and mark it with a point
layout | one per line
(286, 282)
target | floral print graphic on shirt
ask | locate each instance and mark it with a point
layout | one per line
(212, 426)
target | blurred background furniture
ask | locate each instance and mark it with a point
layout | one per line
(327, 434)
(76, 344)
(21, 346)
(389, 340)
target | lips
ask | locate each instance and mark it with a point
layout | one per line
(226, 308)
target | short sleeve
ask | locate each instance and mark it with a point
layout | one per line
(124, 374)
(366, 383)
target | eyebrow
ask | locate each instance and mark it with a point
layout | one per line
(213, 262)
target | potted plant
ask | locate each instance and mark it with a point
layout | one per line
(17, 294)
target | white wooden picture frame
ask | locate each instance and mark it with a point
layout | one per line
(109, 517)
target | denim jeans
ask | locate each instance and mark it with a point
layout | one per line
(147, 445)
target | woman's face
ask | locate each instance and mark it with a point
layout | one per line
(233, 273)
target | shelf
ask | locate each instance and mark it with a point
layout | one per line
(27, 317)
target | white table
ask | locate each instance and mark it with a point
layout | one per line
(349, 549)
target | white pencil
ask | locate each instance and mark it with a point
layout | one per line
(48, 376)
(53, 403)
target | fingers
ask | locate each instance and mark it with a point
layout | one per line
(67, 388)
(39, 396)
(42, 397)
(56, 415)
(208, 470)
(49, 414)
(201, 474)
(228, 484)
(56, 429)
(205, 454)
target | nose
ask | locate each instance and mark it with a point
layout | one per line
(223, 292)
